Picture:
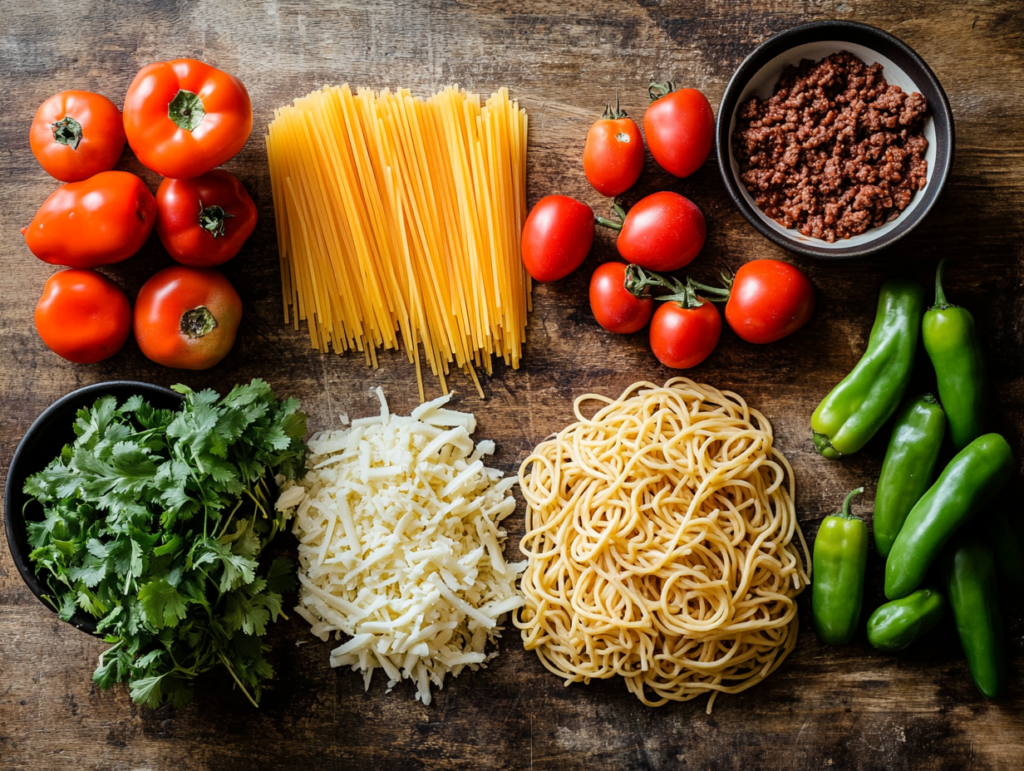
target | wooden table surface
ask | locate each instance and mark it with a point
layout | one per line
(826, 707)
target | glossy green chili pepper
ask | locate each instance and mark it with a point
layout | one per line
(972, 479)
(909, 467)
(866, 398)
(840, 559)
(897, 624)
(1005, 530)
(973, 596)
(951, 340)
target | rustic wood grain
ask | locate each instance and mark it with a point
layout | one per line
(826, 707)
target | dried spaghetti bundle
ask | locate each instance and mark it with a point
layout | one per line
(398, 219)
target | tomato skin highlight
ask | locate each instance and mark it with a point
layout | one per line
(179, 204)
(557, 237)
(176, 152)
(83, 316)
(662, 232)
(99, 135)
(770, 299)
(682, 338)
(613, 156)
(615, 308)
(163, 303)
(101, 220)
(680, 130)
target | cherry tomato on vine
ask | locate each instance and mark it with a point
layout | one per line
(662, 232)
(684, 334)
(101, 220)
(183, 117)
(768, 301)
(76, 134)
(615, 307)
(680, 128)
(556, 237)
(187, 317)
(83, 316)
(204, 221)
(613, 156)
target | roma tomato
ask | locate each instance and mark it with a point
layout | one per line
(187, 318)
(83, 316)
(184, 117)
(104, 219)
(76, 134)
(680, 128)
(615, 307)
(614, 154)
(769, 300)
(204, 221)
(662, 232)
(556, 237)
(682, 337)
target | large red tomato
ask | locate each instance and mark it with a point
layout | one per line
(101, 220)
(83, 316)
(613, 156)
(187, 317)
(556, 237)
(204, 221)
(683, 335)
(184, 117)
(76, 134)
(769, 300)
(615, 307)
(680, 128)
(662, 232)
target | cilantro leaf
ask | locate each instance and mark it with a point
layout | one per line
(162, 603)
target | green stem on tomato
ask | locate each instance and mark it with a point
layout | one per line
(619, 212)
(657, 90)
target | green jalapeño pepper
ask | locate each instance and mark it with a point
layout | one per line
(840, 559)
(973, 596)
(909, 467)
(866, 398)
(972, 479)
(897, 624)
(952, 343)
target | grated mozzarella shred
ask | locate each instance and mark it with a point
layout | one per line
(400, 546)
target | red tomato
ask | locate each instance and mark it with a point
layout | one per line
(769, 300)
(556, 237)
(187, 317)
(184, 117)
(83, 316)
(76, 134)
(683, 337)
(680, 128)
(662, 232)
(104, 219)
(614, 154)
(616, 308)
(204, 221)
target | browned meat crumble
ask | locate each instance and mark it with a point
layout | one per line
(835, 151)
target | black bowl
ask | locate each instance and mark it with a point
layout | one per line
(41, 444)
(901, 66)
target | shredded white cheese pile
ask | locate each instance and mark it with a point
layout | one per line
(399, 545)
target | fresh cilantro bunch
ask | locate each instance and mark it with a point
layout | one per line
(154, 524)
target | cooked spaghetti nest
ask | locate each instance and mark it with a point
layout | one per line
(663, 545)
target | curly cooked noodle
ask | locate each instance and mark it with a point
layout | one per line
(660, 543)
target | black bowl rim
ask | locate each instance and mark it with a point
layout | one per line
(853, 32)
(13, 518)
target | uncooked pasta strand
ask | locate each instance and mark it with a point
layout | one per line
(660, 538)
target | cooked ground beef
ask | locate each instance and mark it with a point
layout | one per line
(835, 151)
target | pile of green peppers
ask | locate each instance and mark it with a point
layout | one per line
(919, 519)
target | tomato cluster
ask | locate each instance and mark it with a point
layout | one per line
(181, 118)
(663, 232)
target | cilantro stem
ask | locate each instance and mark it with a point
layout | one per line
(233, 675)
